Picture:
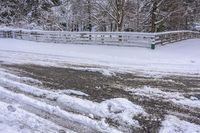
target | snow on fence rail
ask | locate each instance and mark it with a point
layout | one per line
(101, 38)
(148, 40)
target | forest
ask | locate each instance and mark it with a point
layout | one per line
(101, 15)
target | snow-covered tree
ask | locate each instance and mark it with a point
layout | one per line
(100, 15)
(116, 9)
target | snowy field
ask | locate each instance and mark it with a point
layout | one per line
(62, 88)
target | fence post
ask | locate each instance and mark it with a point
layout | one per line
(120, 38)
(153, 45)
(102, 39)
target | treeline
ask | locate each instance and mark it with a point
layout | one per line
(101, 15)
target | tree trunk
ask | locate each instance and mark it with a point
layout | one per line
(89, 15)
(119, 26)
(120, 14)
(153, 17)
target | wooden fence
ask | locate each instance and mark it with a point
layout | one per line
(175, 36)
(148, 40)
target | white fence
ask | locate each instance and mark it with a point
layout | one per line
(101, 38)
(148, 40)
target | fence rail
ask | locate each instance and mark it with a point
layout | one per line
(148, 40)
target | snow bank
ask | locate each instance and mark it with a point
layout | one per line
(181, 57)
(119, 109)
(173, 124)
(174, 97)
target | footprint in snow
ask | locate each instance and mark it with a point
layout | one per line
(62, 131)
(11, 108)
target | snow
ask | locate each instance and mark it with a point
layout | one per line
(173, 124)
(14, 85)
(21, 121)
(197, 27)
(181, 57)
(14, 77)
(56, 111)
(119, 110)
(174, 97)
(73, 92)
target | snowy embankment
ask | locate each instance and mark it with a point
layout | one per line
(181, 57)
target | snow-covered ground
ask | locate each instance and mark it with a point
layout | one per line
(27, 106)
(15, 117)
(173, 124)
(174, 97)
(181, 57)
(16, 120)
